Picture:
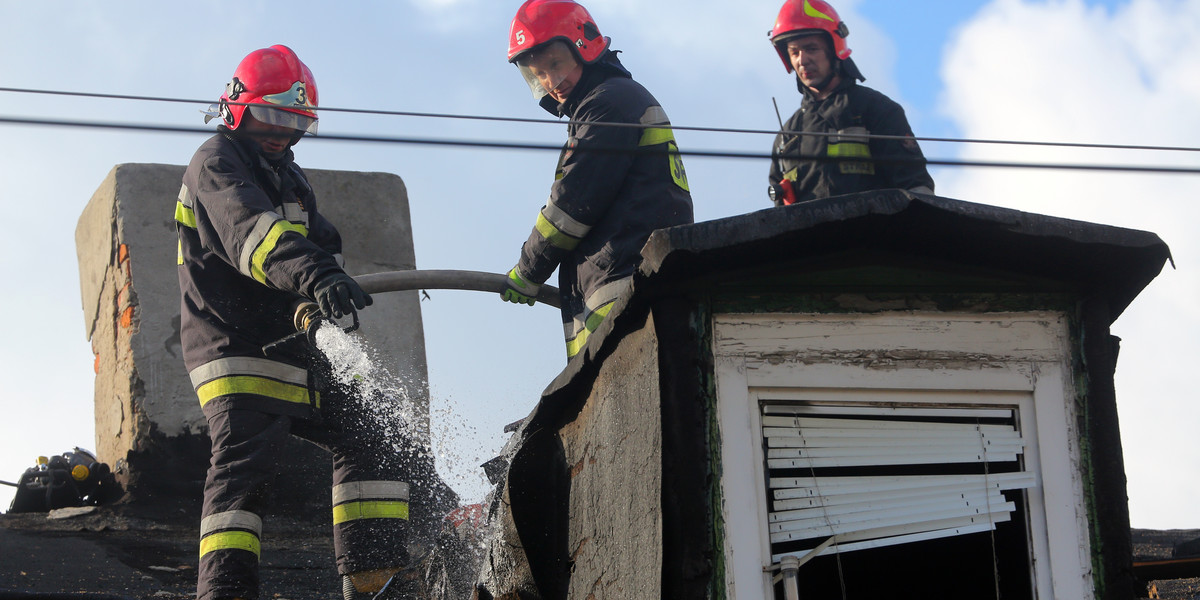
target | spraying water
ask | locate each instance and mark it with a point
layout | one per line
(394, 405)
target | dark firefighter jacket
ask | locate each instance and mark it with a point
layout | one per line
(612, 188)
(850, 112)
(251, 245)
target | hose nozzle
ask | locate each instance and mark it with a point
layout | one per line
(307, 315)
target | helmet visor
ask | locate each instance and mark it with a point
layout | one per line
(284, 118)
(546, 67)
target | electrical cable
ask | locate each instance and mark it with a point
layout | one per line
(495, 145)
(432, 115)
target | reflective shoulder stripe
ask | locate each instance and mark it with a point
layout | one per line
(230, 540)
(233, 519)
(652, 136)
(185, 196)
(353, 511)
(258, 386)
(553, 235)
(341, 260)
(248, 365)
(564, 222)
(359, 490)
(659, 131)
(654, 115)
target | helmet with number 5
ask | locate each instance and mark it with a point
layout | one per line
(275, 86)
(540, 22)
(805, 17)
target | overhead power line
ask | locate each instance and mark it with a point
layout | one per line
(503, 145)
(432, 115)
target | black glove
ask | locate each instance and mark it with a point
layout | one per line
(339, 294)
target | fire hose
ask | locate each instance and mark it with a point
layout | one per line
(395, 281)
(308, 315)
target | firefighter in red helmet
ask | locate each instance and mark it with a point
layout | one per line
(252, 247)
(810, 38)
(619, 176)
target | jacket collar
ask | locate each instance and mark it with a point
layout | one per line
(605, 68)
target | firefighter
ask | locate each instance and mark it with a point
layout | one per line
(811, 40)
(252, 247)
(619, 176)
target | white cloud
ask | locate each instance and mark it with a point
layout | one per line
(1063, 71)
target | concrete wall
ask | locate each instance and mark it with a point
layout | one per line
(148, 419)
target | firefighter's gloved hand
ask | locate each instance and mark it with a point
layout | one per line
(520, 291)
(339, 294)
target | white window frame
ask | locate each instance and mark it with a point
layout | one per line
(1019, 360)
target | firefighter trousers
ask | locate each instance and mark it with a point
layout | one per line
(370, 495)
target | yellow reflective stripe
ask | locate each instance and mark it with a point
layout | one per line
(593, 322)
(264, 249)
(850, 149)
(812, 12)
(230, 540)
(375, 509)
(259, 386)
(184, 215)
(552, 234)
(179, 252)
(656, 135)
(597, 316)
(678, 174)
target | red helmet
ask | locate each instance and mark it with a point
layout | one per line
(277, 88)
(541, 21)
(802, 17)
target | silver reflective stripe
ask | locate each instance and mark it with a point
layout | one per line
(246, 365)
(607, 293)
(921, 189)
(564, 222)
(852, 134)
(377, 490)
(184, 197)
(341, 260)
(572, 328)
(294, 213)
(655, 115)
(256, 237)
(234, 519)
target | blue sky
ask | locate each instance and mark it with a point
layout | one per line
(1016, 69)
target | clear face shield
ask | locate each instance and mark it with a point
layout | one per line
(283, 118)
(546, 67)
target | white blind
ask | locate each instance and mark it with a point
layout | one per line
(870, 511)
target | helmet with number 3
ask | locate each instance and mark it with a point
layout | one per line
(805, 17)
(275, 86)
(540, 22)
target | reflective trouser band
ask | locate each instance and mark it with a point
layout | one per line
(230, 540)
(373, 509)
(554, 235)
(593, 322)
(849, 149)
(230, 530)
(258, 386)
(377, 490)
